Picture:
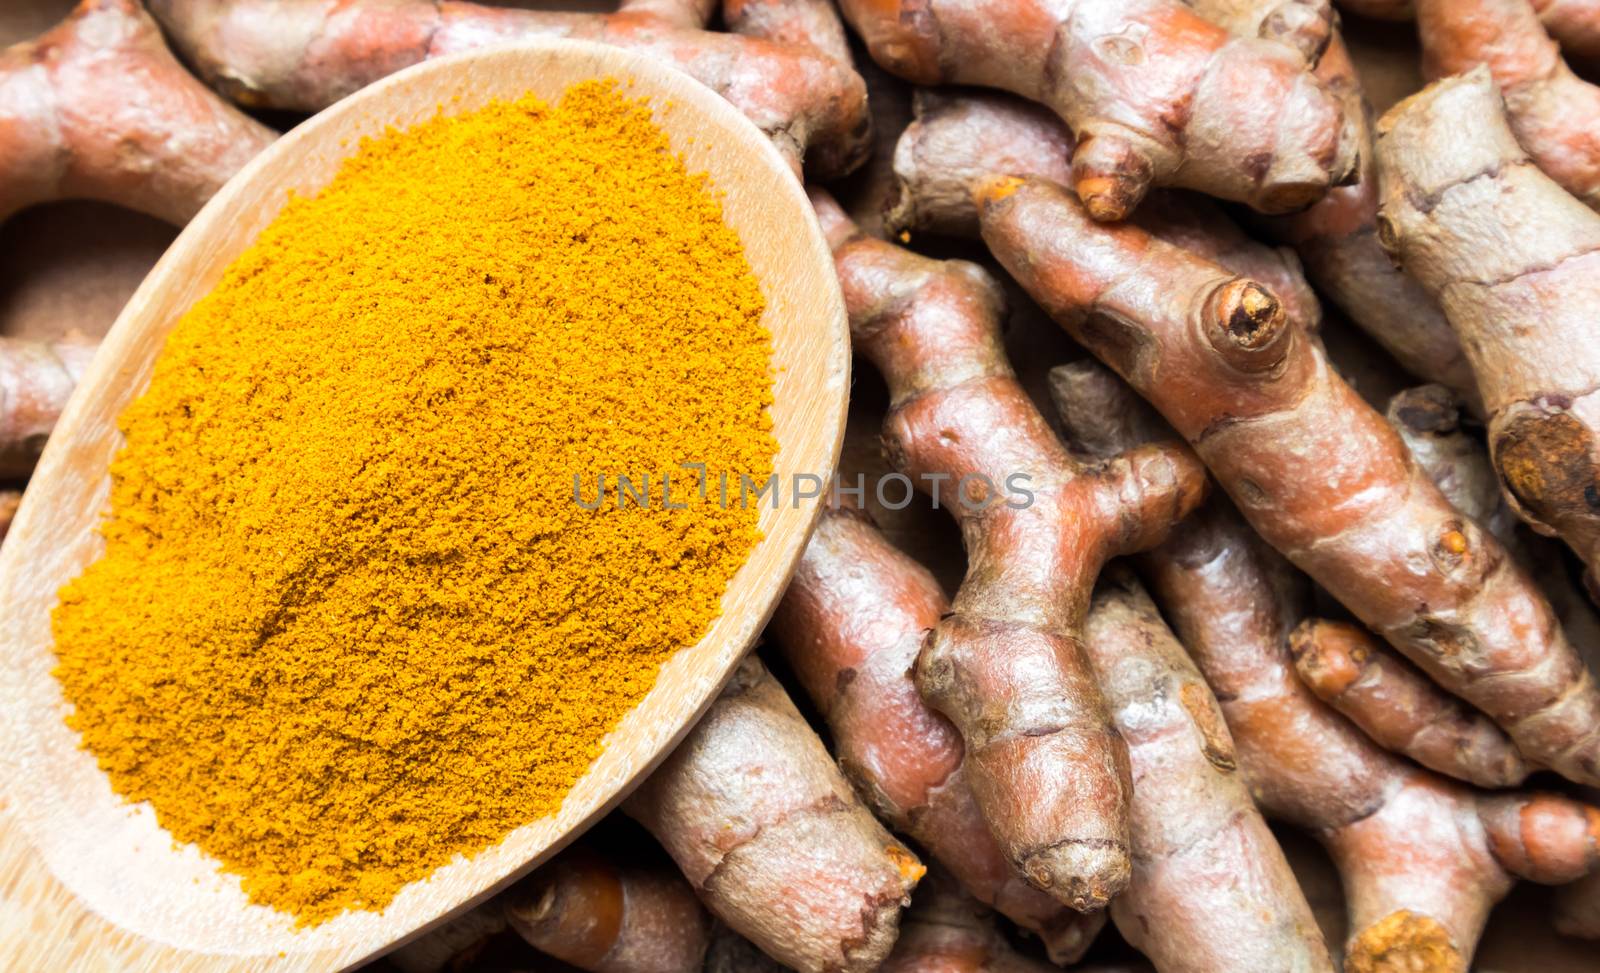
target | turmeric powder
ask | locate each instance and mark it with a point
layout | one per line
(350, 622)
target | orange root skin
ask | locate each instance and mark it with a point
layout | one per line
(769, 833)
(851, 625)
(307, 54)
(1006, 666)
(98, 108)
(1304, 25)
(1501, 244)
(1195, 827)
(1422, 859)
(1311, 466)
(1337, 238)
(791, 23)
(1399, 708)
(958, 143)
(1554, 113)
(1119, 73)
(605, 917)
(1574, 24)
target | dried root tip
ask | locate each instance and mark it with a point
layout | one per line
(1550, 462)
(1399, 707)
(1404, 942)
(1111, 176)
(1083, 874)
(1247, 325)
(584, 910)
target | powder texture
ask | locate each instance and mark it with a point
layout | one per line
(350, 623)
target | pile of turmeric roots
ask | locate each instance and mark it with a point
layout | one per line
(1242, 591)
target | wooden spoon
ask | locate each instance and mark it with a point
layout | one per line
(90, 882)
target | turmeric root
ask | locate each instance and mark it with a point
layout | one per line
(1422, 859)
(1196, 831)
(1502, 245)
(1392, 702)
(1337, 235)
(1399, 708)
(788, 22)
(306, 54)
(850, 626)
(1305, 25)
(1574, 24)
(1428, 419)
(1314, 469)
(955, 142)
(947, 931)
(581, 908)
(1337, 238)
(36, 380)
(98, 108)
(1554, 113)
(1155, 94)
(600, 916)
(1007, 666)
(771, 836)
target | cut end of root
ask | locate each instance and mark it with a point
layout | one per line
(1083, 875)
(911, 868)
(1110, 175)
(1329, 656)
(1404, 942)
(1106, 198)
(995, 189)
(1246, 324)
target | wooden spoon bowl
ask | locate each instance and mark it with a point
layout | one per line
(91, 882)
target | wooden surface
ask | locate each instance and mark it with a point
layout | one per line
(75, 264)
(92, 883)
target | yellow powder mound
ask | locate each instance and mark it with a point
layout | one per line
(350, 622)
